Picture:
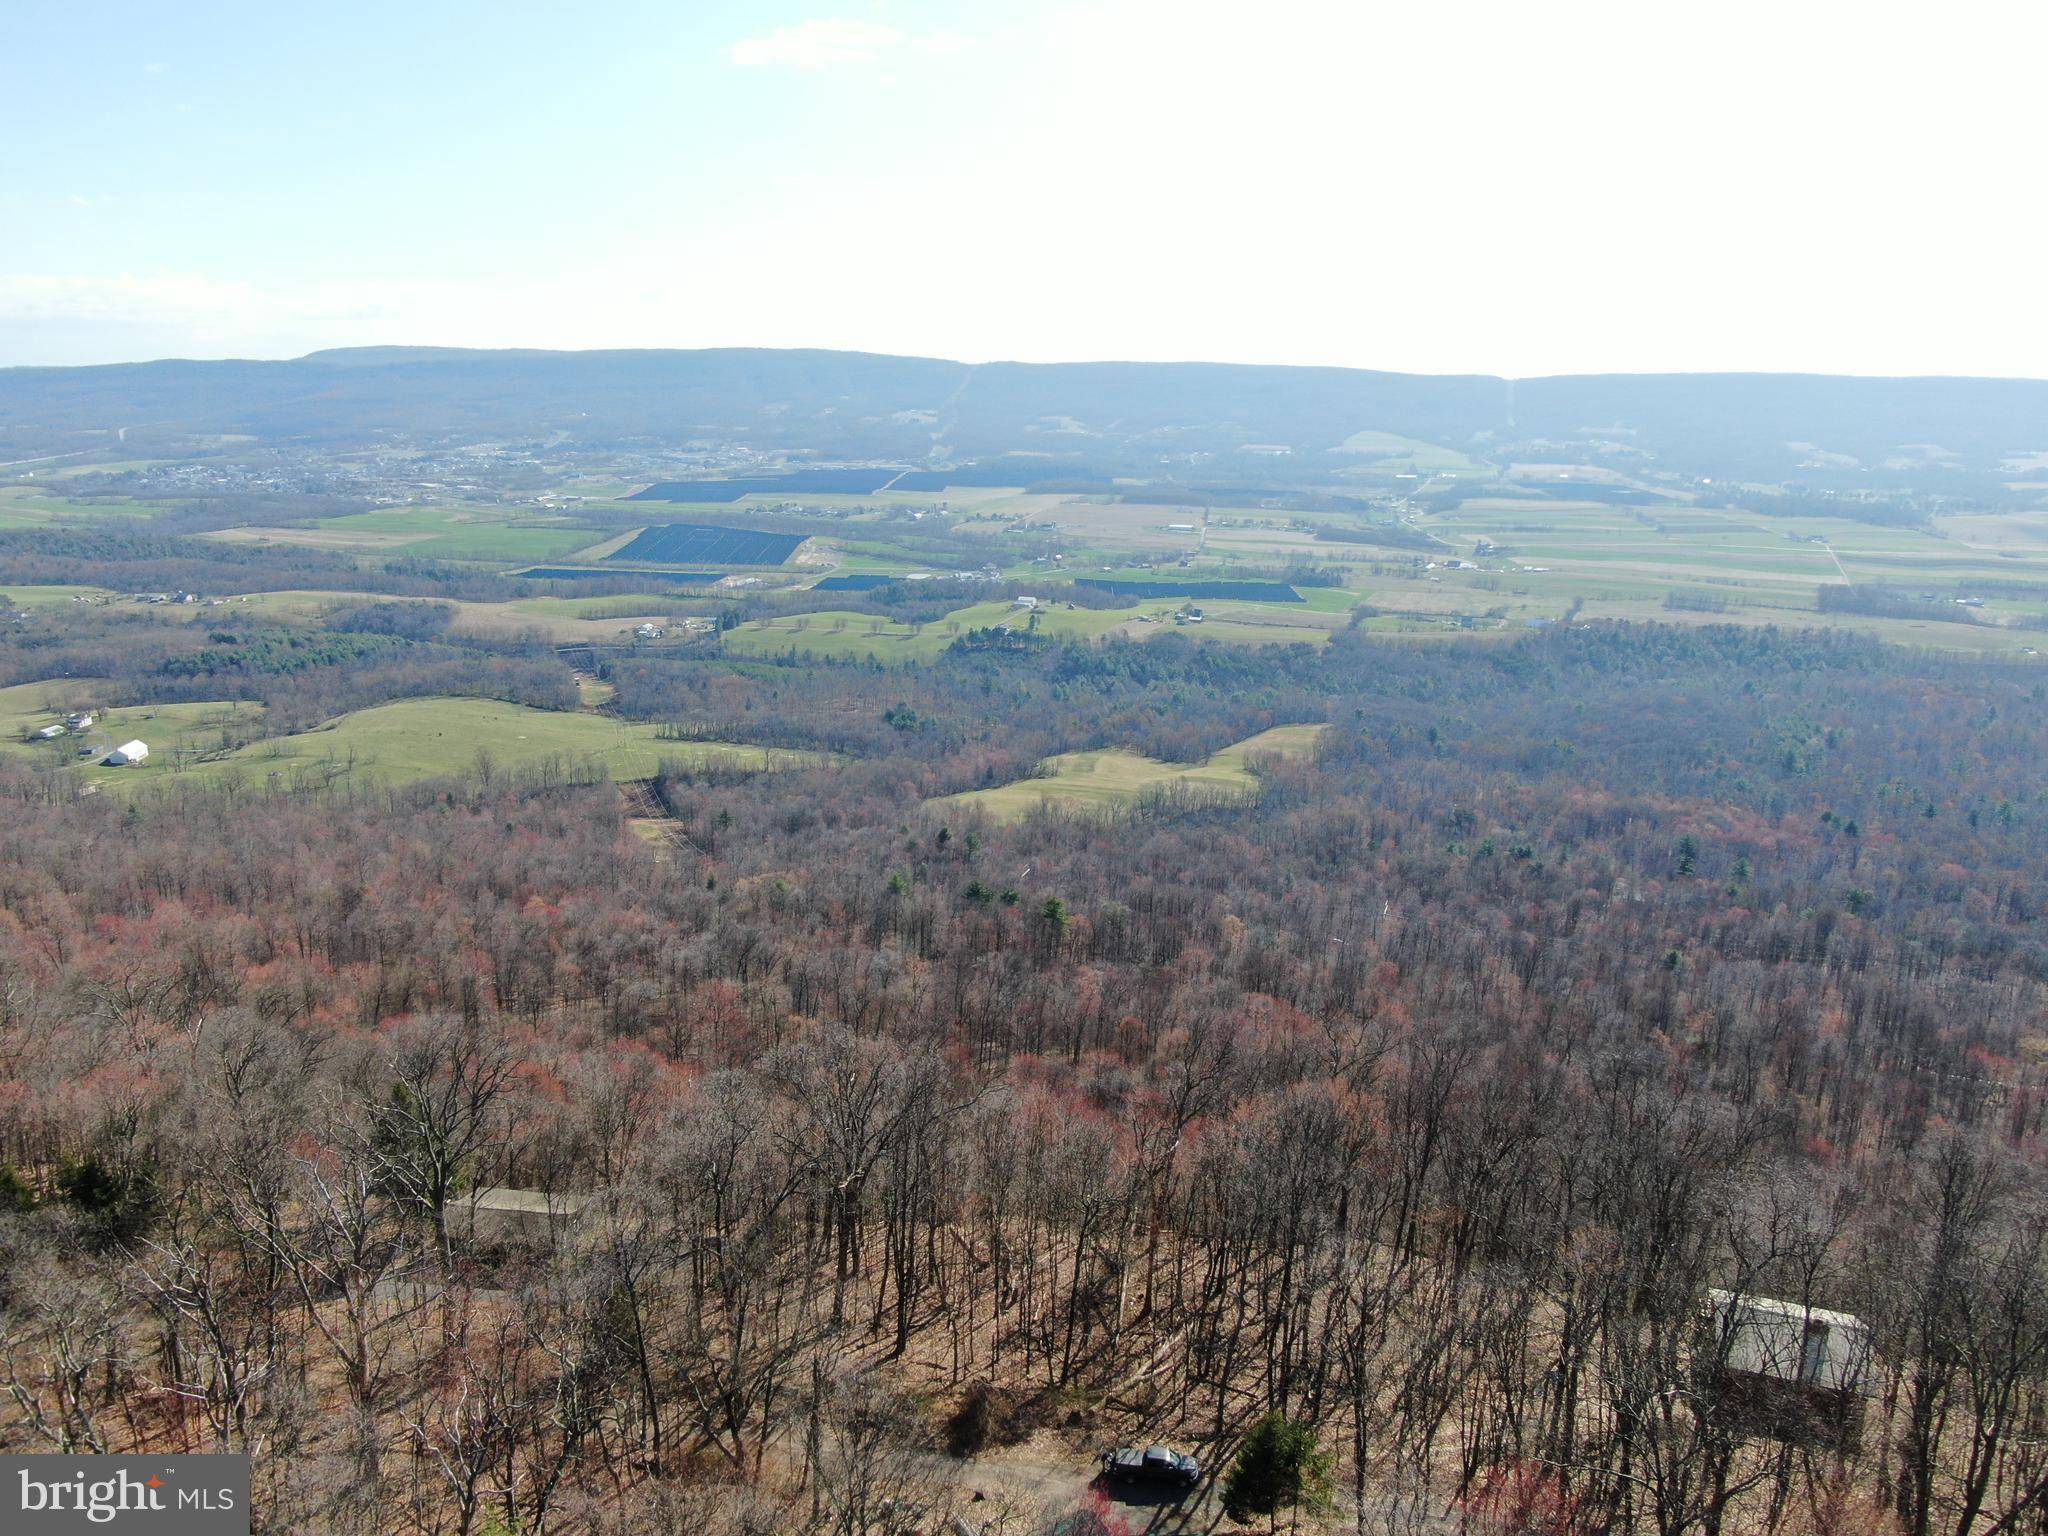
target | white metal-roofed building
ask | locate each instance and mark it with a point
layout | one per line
(1793, 1371)
(1786, 1341)
(498, 1215)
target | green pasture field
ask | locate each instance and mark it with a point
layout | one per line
(1386, 453)
(23, 596)
(842, 633)
(36, 506)
(1322, 600)
(860, 559)
(72, 471)
(23, 507)
(27, 707)
(849, 555)
(472, 534)
(555, 620)
(610, 543)
(1313, 599)
(178, 735)
(418, 739)
(444, 533)
(1107, 780)
(294, 605)
(1622, 562)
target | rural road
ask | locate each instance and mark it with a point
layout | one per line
(48, 458)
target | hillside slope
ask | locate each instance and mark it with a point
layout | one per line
(1106, 417)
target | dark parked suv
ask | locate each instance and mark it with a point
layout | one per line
(1155, 1466)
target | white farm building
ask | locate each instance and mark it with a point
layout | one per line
(501, 1215)
(1785, 1341)
(127, 754)
(1794, 1370)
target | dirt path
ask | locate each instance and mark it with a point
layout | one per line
(644, 814)
(1043, 1480)
(1047, 1477)
(593, 695)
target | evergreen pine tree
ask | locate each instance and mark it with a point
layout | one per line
(1278, 1467)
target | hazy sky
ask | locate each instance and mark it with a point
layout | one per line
(1445, 187)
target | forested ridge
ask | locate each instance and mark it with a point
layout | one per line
(1422, 1100)
(866, 404)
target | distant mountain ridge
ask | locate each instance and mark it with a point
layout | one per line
(1116, 417)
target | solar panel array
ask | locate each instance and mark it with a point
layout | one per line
(701, 544)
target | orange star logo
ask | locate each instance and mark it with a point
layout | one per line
(154, 1481)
